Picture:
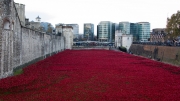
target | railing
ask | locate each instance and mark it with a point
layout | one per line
(175, 44)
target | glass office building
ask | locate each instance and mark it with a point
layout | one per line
(144, 31)
(124, 27)
(105, 31)
(134, 31)
(97, 32)
(89, 31)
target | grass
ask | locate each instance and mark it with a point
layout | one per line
(18, 72)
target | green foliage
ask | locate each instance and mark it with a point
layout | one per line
(173, 26)
(6, 93)
(18, 72)
(123, 49)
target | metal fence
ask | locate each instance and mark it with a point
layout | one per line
(170, 43)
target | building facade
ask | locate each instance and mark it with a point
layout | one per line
(124, 27)
(158, 35)
(123, 40)
(144, 31)
(114, 28)
(89, 31)
(105, 31)
(118, 38)
(134, 31)
(97, 32)
(67, 32)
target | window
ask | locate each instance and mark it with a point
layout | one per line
(12, 27)
(6, 24)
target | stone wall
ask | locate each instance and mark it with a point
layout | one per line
(21, 12)
(167, 54)
(68, 34)
(20, 45)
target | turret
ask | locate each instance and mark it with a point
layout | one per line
(21, 12)
(38, 19)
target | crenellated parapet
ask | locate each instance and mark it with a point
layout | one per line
(21, 12)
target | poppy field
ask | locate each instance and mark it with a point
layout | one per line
(93, 75)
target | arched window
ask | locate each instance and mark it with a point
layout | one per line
(6, 24)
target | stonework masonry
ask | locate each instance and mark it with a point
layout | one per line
(68, 34)
(21, 12)
(19, 44)
(168, 54)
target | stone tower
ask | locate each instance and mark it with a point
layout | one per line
(7, 22)
(21, 12)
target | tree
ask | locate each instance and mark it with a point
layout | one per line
(173, 26)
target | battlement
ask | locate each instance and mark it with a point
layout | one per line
(21, 12)
(18, 4)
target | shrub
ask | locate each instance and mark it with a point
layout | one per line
(122, 49)
(18, 72)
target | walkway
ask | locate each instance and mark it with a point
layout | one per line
(94, 75)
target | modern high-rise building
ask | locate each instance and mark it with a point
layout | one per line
(105, 31)
(115, 27)
(124, 27)
(89, 31)
(140, 30)
(134, 31)
(144, 31)
(97, 32)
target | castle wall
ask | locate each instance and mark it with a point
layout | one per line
(20, 45)
(21, 12)
(35, 25)
(68, 34)
(167, 54)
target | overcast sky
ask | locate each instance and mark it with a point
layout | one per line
(94, 11)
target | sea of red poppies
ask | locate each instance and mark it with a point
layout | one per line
(93, 75)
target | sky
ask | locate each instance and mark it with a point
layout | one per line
(93, 11)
